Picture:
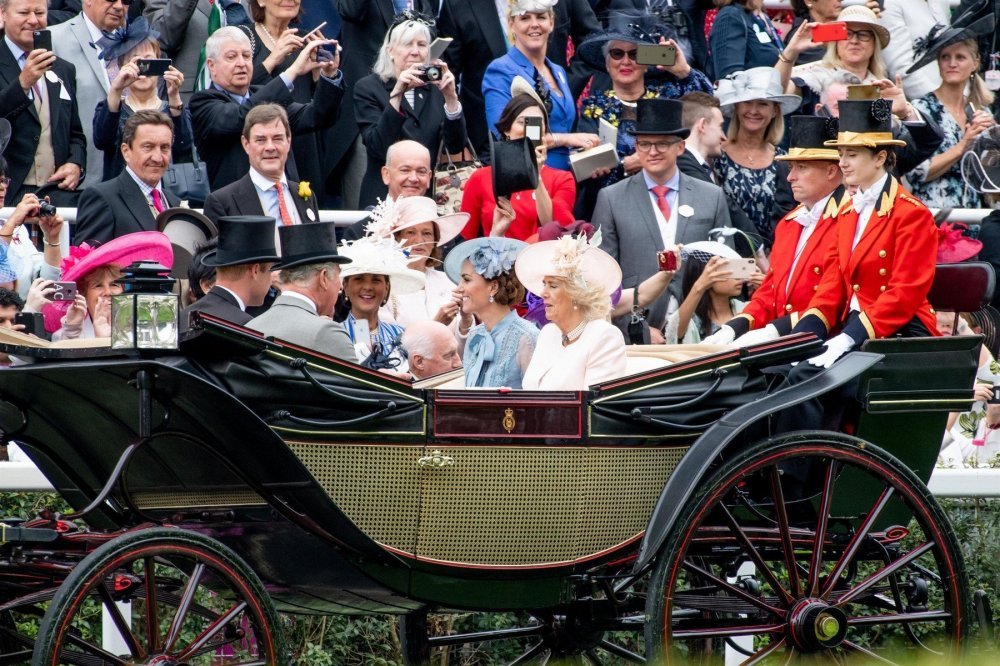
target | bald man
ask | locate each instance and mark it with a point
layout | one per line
(431, 349)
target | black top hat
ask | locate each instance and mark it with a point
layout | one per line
(659, 116)
(186, 229)
(865, 122)
(314, 243)
(975, 22)
(807, 134)
(514, 166)
(243, 239)
(4, 134)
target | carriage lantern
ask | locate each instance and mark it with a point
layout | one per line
(145, 314)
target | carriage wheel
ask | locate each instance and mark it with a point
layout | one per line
(191, 601)
(809, 545)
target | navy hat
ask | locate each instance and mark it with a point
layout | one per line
(975, 22)
(243, 239)
(623, 26)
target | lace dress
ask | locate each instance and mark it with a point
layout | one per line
(947, 190)
(499, 357)
(752, 190)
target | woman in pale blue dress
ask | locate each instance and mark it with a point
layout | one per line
(499, 348)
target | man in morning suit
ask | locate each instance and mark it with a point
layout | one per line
(265, 190)
(803, 239)
(218, 113)
(131, 201)
(659, 207)
(38, 97)
(310, 284)
(242, 261)
(75, 41)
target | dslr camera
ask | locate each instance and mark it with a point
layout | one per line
(46, 209)
(430, 73)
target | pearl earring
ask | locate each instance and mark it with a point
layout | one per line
(492, 300)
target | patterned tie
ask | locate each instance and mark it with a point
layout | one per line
(157, 202)
(286, 219)
(660, 191)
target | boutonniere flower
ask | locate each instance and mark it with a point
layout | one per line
(304, 190)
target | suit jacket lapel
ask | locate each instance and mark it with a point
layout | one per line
(82, 35)
(10, 70)
(640, 195)
(136, 203)
(486, 15)
(247, 200)
(684, 197)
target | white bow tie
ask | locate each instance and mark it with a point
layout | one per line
(806, 217)
(862, 199)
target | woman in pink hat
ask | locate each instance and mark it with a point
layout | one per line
(94, 270)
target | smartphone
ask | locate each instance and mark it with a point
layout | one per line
(43, 39)
(33, 322)
(438, 47)
(741, 269)
(153, 66)
(314, 30)
(666, 260)
(995, 400)
(533, 129)
(656, 54)
(830, 32)
(65, 291)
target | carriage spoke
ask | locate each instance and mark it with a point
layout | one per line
(856, 541)
(91, 650)
(732, 589)
(211, 630)
(826, 499)
(187, 597)
(868, 582)
(868, 654)
(786, 535)
(622, 652)
(124, 630)
(152, 617)
(530, 654)
(764, 653)
(758, 561)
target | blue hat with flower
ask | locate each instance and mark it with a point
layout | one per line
(489, 256)
(123, 40)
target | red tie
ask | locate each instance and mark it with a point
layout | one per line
(158, 201)
(661, 200)
(286, 219)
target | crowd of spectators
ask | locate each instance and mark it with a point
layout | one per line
(682, 138)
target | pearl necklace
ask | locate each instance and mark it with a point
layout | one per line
(274, 42)
(574, 335)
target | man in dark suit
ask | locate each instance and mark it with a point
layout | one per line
(242, 262)
(481, 36)
(218, 114)
(38, 97)
(265, 190)
(659, 207)
(130, 202)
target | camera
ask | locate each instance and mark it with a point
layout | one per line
(430, 73)
(46, 209)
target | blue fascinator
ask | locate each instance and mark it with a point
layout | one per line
(489, 257)
(121, 41)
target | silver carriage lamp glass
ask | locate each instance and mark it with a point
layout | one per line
(145, 315)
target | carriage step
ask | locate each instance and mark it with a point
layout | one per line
(984, 613)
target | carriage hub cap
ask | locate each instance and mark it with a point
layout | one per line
(815, 625)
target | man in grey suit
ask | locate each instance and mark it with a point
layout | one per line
(76, 42)
(659, 207)
(310, 283)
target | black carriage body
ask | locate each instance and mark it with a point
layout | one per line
(348, 491)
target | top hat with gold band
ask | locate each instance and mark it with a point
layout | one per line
(865, 123)
(807, 135)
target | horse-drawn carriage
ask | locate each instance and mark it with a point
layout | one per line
(655, 517)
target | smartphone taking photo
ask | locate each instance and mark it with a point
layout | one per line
(42, 39)
(533, 129)
(664, 55)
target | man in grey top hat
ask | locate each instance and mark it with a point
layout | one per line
(310, 283)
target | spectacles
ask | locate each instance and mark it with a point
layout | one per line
(124, 2)
(618, 54)
(4, 181)
(661, 146)
(861, 35)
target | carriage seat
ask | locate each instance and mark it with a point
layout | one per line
(964, 287)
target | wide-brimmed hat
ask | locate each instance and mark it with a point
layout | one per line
(83, 259)
(314, 243)
(757, 83)
(125, 39)
(186, 229)
(862, 17)
(4, 134)
(391, 217)
(513, 166)
(381, 256)
(570, 258)
(243, 239)
(975, 22)
(705, 250)
(866, 123)
(808, 135)
(623, 26)
(659, 116)
(954, 246)
(489, 256)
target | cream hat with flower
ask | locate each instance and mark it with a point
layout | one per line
(381, 256)
(570, 258)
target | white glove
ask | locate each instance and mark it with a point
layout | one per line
(835, 348)
(723, 336)
(765, 334)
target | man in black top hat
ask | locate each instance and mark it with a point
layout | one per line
(310, 283)
(658, 207)
(242, 264)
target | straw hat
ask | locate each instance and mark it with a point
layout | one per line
(758, 83)
(859, 16)
(489, 256)
(391, 217)
(570, 258)
(381, 256)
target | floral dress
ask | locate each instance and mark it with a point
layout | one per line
(947, 190)
(621, 114)
(752, 190)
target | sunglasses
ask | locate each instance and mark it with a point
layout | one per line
(124, 2)
(618, 54)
